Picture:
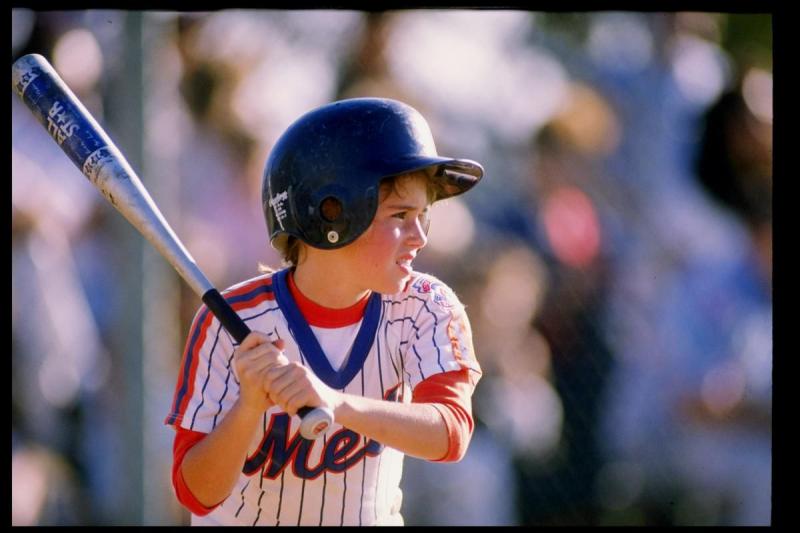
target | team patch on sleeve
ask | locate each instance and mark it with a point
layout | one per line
(440, 293)
(442, 338)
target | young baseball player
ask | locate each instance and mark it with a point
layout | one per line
(348, 326)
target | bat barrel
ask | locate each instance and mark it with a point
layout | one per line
(87, 145)
(61, 113)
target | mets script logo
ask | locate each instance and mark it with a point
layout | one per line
(276, 203)
(343, 450)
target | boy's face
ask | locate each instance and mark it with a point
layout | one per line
(381, 257)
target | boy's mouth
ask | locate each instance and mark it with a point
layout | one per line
(405, 263)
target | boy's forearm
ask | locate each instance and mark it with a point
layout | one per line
(213, 465)
(211, 468)
(416, 429)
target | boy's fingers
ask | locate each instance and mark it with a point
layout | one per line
(252, 340)
(257, 344)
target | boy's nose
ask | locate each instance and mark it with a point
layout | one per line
(419, 234)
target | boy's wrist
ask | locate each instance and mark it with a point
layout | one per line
(247, 409)
(343, 407)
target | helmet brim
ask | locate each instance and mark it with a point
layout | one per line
(451, 176)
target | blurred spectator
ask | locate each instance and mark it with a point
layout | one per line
(222, 223)
(516, 409)
(565, 187)
(45, 490)
(691, 321)
(60, 363)
(366, 72)
(734, 163)
(68, 387)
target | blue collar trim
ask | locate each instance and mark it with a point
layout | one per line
(308, 344)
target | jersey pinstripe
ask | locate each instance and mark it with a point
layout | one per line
(343, 478)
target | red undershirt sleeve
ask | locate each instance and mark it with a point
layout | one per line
(450, 393)
(184, 440)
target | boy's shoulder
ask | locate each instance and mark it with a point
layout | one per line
(262, 282)
(430, 289)
(250, 293)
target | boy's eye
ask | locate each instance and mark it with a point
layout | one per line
(424, 217)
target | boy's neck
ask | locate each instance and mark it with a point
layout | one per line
(326, 286)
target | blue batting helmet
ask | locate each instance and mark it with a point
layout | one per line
(322, 176)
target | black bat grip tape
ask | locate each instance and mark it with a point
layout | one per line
(233, 323)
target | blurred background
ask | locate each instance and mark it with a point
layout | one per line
(616, 262)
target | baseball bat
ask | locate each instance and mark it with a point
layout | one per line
(88, 146)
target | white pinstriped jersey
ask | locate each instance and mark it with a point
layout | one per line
(343, 478)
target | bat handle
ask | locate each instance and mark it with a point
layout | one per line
(229, 319)
(314, 421)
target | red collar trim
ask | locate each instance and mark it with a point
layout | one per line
(326, 317)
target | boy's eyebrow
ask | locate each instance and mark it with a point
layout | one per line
(406, 207)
